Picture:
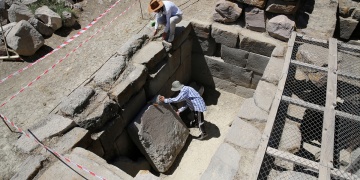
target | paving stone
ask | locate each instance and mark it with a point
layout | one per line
(264, 95)
(243, 135)
(88, 160)
(49, 127)
(273, 70)
(129, 85)
(250, 111)
(224, 164)
(234, 56)
(76, 101)
(224, 34)
(202, 29)
(222, 70)
(150, 55)
(110, 71)
(256, 46)
(29, 168)
(257, 63)
(160, 146)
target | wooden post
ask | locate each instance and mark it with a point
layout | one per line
(327, 139)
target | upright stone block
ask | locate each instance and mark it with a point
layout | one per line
(160, 135)
(222, 70)
(282, 7)
(224, 34)
(133, 106)
(255, 19)
(234, 56)
(129, 85)
(182, 31)
(150, 55)
(224, 164)
(257, 63)
(202, 29)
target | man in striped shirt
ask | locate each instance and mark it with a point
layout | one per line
(193, 100)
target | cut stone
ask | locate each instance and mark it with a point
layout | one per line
(29, 168)
(49, 17)
(150, 55)
(282, 7)
(233, 88)
(230, 11)
(255, 79)
(234, 56)
(202, 29)
(204, 46)
(255, 46)
(290, 138)
(347, 27)
(258, 3)
(223, 34)
(145, 175)
(273, 70)
(110, 71)
(264, 95)
(243, 134)
(160, 135)
(250, 111)
(200, 71)
(134, 168)
(257, 63)
(182, 31)
(255, 19)
(77, 101)
(294, 175)
(280, 27)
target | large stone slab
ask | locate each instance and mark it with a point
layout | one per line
(160, 135)
(257, 63)
(250, 111)
(224, 164)
(150, 55)
(234, 56)
(255, 19)
(161, 73)
(282, 7)
(49, 127)
(264, 95)
(29, 168)
(76, 101)
(89, 161)
(256, 46)
(202, 29)
(133, 106)
(224, 34)
(243, 134)
(110, 71)
(222, 70)
(273, 70)
(132, 81)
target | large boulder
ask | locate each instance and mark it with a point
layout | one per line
(43, 29)
(49, 17)
(282, 7)
(18, 12)
(229, 11)
(280, 27)
(68, 18)
(24, 39)
(160, 135)
(255, 19)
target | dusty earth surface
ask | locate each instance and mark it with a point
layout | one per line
(44, 95)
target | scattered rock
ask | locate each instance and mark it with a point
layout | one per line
(202, 29)
(19, 11)
(347, 27)
(77, 101)
(282, 7)
(160, 146)
(49, 17)
(41, 27)
(229, 11)
(258, 3)
(68, 19)
(280, 27)
(255, 19)
(24, 39)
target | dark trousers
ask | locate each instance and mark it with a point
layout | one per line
(199, 119)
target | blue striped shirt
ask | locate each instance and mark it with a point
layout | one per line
(193, 99)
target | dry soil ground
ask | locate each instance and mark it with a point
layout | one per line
(40, 99)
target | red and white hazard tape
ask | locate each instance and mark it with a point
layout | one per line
(62, 59)
(51, 150)
(62, 45)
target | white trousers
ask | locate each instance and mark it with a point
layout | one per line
(173, 21)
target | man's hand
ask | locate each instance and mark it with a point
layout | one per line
(164, 35)
(161, 98)
(178, 113)
(155, 32)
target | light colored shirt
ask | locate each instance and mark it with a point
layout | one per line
(169, 10)
(193, 99)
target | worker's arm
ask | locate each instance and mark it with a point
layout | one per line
(156, 23)
(182, 108)
(178, 98)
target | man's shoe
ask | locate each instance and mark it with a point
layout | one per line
(202, 136)
(171, 38)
